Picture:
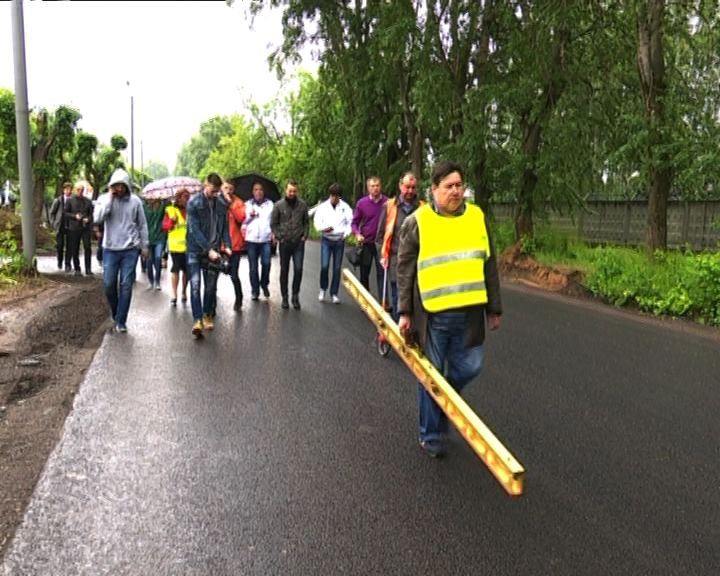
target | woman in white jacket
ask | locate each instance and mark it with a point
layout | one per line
(332, 219)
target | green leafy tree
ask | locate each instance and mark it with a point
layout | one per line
(194, 154)
(8, 138)
(52, 135)
(156, 170)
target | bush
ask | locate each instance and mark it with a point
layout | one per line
(668, 284)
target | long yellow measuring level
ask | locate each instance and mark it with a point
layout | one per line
(508, 471)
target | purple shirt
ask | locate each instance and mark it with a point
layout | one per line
(367, 216)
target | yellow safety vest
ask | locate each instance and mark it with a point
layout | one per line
(451, 262)
(177, 237)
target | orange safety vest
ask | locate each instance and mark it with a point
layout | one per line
(391, 207)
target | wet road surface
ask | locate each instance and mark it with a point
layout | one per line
(283, 444)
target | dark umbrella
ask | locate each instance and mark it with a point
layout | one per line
(244, 185)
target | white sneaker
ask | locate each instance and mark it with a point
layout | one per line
(335, 300)
(321, 296)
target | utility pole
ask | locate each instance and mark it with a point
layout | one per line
(22, 121)
(132, 133)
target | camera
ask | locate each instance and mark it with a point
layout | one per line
(221, 265)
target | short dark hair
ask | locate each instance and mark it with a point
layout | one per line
(443, 168)
(67, 185)
(256, 182)
(214, 179)
(335, 189)
(293, 182)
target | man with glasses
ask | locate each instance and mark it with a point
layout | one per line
(387, 240)
(448, 288)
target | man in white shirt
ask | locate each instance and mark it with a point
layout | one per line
(258, 240)
(333, 219)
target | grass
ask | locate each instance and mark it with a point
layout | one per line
(673, 283)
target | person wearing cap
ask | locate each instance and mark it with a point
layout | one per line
(124, 239)
(333, 219)
(448, 289)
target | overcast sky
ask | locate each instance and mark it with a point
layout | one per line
(185, 61)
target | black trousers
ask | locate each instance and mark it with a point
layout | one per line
(294, 251)
(63, 251)
(75, 237)
(370, 255)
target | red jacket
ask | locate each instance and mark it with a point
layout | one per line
(236, 216)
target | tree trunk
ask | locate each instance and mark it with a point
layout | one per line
(532, 127)
(651, 67)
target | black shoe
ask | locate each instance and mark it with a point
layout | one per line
(255, 297)
(285, 304)
(78, 273)
(238, 304)
(296, 303)
(266, 292)
(89, 273)
(68, 269)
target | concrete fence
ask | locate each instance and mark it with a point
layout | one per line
(694, 224)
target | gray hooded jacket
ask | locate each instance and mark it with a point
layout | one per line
(124, 219)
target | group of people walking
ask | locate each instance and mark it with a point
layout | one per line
(435, 260)
(71, 216)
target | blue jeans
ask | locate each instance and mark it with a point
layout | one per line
(336, 249)
(204, 304)
(118, 277)
(445, 349)
(154, 263)
(261, 250)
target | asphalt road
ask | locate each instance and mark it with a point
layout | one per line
(283, 444)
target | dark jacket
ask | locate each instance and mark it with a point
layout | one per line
(76, 209)
(57, 213)
(199, 224)
(288, 222)
(409, 297)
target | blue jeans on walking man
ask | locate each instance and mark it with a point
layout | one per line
(118, 278)
(336, 249)
(446, 351)
(259, 279)
(201, 304)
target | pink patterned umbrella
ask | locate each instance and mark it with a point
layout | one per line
(165, 188)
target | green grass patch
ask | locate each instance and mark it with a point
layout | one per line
(671, 283)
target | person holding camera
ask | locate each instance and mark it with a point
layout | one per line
(208, 251)
(125, 237)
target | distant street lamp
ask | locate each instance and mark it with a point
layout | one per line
(132, 132)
